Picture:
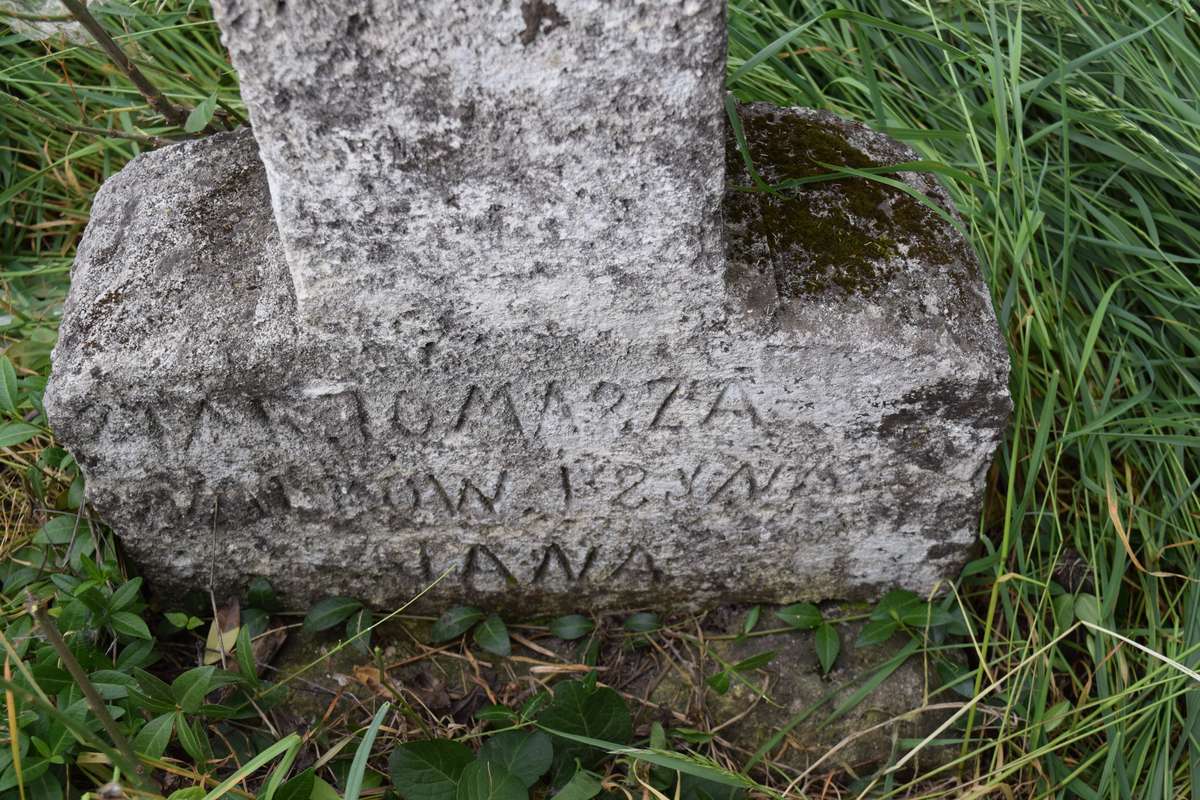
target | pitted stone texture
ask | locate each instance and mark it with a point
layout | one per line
(46, 19)
(476, 162)
(822, 435)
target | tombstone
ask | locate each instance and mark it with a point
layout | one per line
(488, 302)
(37, 20)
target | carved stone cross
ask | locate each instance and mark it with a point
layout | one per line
(506, 164)
(495, 304)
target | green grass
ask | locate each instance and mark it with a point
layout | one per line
(1079, 128)
(1080, 125)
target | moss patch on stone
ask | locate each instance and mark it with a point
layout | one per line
(845, 236)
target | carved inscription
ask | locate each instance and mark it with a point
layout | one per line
(576, 450)
(555, 409)
(551, 565)
(580, 490)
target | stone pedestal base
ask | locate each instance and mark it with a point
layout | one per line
(823, 433)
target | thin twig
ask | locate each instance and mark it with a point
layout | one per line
(172, 113)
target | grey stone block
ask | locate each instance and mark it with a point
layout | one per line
(488, 159)
(549, 384)
(827, 441)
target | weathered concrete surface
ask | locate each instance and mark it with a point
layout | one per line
(46, 19)
(480, 162)
(822, 429)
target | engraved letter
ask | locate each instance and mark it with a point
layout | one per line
(499, 408)
(411, 416)
(754, 490)
(556, 411)
(733, 400)
(660, 420)
(638, 474)
(687, 482)
(469, 491)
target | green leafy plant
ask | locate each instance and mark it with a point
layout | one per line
(642, 622)
(801, 616)
(490, 632)
(721, 680)
(571, 627)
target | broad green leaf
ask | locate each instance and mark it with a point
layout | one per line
(47, 787)
(201, 115)
(14, 433)
(193, 739)
(642, 622)
(658, 736)
(571, 627)
(582, 786)
(525, 754)
(113, 685)
(1087, 609)
(1056, 715)
(125, 594)
(178, 619)
(75, 493)
(32, 769)
(329, 612)
(957, 677)
(455, 623)
(260, 594)
(534, 705)
(751, 619)
(358, 629)
(8, 385)
(492, 635)
(494, 712)
(692, 787)
(893, 604)
(323, 791)
(244, 650)
(155, 735)
(59, 737)
(298, 787)
(190, 688)
(486, 781)
(756, 661)
(61, 530)
(876, 632)
(922, 614)
(719, 682)
(428, 770)
(153, 687)
(129, 624)
(1064, 611)
(828, 645)
(596, 712)
(188, 793)
(255, 621)
(801, 616)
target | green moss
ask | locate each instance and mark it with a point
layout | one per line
(842, 236)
